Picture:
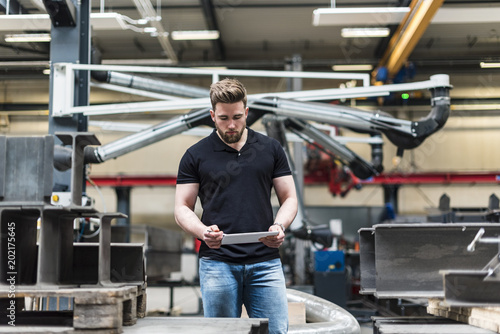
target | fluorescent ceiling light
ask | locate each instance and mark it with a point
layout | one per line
(489, 65)
(360, 67)
(26, 38)
(194, 35)
(41, 22)
(364, 32)
(373, 16)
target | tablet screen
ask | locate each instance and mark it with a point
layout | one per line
(245, 238)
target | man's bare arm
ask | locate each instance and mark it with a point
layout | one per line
(287, 197)
(186, 218)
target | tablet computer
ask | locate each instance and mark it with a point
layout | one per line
(245, 238)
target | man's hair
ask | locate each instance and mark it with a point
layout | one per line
(228, 91)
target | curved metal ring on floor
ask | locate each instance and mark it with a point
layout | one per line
(322, 316)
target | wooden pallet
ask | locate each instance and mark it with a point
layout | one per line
(93, 310)
(483, 317)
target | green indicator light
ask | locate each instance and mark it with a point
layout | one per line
(405, 96)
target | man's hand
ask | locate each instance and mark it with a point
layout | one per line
(213, 237)
(274, 241)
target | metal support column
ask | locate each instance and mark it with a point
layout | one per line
(295, 84)
(301, 246)
(391, 195)
(123, 205)
(70, 43)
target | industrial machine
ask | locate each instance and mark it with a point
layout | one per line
(40, 261)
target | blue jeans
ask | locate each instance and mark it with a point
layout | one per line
(260, 287)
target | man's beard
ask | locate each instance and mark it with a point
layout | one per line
(232, 138)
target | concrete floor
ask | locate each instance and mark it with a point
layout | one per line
(191, 325)
(186, 315)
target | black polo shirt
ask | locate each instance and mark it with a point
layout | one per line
(235, 190)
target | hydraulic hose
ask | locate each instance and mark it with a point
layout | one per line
(149, 84)
(358, 165)
(333, 114)
(377, 153)
(156, 133)
(423, 128)
(147, 137)
(402, 133)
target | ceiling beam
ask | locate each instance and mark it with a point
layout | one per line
(38, 49)
(209, 13)
(11, 7)
(146, 9)
(384, 42)
(409, 32)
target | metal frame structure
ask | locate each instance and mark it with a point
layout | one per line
(48, 264)
(279, 109)
(64, 78)
(405, 134)
(409, 260)
(475, 287)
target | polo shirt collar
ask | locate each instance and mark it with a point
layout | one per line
(219, 145)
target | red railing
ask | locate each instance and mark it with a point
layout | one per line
(386, 178)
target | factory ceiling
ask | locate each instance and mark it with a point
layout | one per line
(452, 37)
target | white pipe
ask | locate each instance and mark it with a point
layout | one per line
(322, 316)
(228, 72)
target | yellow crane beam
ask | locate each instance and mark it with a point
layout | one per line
(407, 35)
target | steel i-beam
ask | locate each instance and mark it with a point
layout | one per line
(405, 260)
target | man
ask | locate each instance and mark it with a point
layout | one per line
(233, 171)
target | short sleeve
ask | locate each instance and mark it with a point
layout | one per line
(281, 166)
(188, 171)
